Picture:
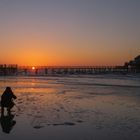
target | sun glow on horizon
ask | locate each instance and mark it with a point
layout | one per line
(33, 68)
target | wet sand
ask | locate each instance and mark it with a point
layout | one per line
(74, 108)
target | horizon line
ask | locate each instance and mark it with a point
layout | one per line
(16, 65)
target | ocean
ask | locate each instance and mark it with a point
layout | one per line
(73, 107)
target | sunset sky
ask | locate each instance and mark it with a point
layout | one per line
(69, 32)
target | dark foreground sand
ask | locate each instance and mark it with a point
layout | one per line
(73, 108)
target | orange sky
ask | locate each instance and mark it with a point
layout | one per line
(71, 33)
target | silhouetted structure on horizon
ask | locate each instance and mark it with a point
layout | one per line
(6, 70)
(134, 65)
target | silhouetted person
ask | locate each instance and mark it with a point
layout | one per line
(7, 123)
(7, 100)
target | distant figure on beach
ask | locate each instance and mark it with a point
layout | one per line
(7, 122)
(7, 100)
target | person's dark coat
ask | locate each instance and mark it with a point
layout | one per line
(6, 98)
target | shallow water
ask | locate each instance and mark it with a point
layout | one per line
(74, 107)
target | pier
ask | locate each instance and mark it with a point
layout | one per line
(10, 69)
(13, 70)
(70, 70)
(133, 66)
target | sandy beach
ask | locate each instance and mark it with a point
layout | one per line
(99, 107)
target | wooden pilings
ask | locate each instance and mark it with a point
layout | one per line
(52, 70)
(73, 70)
(8, 70)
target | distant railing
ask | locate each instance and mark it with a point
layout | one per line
(14, 69)
(10, 69)
(52, 70)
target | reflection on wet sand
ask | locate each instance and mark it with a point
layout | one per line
(7, 122)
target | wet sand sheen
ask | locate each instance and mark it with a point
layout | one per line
(65, 108)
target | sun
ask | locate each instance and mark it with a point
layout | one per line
(33, 68)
